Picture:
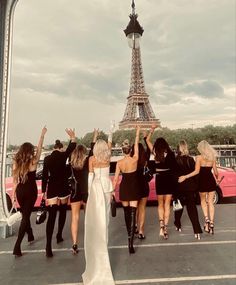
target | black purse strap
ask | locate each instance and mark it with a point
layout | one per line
(73, 176)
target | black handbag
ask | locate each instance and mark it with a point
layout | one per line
(72, 184)
(113, 206)
(147, 174)
(42, 213)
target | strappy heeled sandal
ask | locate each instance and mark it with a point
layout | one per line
(211, 228)
(166, 236)
(207, 225)
(162, 226)
(141, 236)
(75, 249)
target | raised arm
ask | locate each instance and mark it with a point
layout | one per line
(95, 135)
(40, 145)
(148, 140)
(193, 173)
(136, 142)
(148, 152)
(72, 143)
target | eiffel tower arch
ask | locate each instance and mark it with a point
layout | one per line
(138, 109)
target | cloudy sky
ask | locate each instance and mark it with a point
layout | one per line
(71, 64)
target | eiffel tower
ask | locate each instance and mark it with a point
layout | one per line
(138, 109)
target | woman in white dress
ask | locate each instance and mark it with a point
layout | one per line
(98, 269)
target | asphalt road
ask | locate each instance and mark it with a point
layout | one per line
(180, 260)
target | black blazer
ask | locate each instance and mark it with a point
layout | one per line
(54, 177)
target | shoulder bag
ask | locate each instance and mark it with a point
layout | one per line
(13, 217)
(42, 213)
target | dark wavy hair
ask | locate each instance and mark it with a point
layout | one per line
(161, 147)
(22, 160)
(78, 156)
(58, 144)
(142, 156)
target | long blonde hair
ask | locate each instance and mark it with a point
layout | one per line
(22, 161)
(101, 151)
(207, 151)
(78, 157)
(183, 148)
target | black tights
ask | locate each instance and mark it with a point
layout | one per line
(52, 212)
(25, 226)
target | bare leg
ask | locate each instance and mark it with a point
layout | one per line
(75, 214)
(211, 210)
(141, 214)
(205, 210)
(160, 210)
(167, 200)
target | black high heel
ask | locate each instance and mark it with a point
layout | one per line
(197, 236)
(17, 253)
(141, 236)
(166, 236)
(49, 252)
(75, 249)
(211, 228)
(178, 227)
(207, 225)
(59, 238)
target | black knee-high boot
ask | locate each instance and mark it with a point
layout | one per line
(127, 219)
(52, 212)
(132, 228)
(61, 221)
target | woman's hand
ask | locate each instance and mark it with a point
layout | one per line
(181, 179)
(71, 133)
(44, 130)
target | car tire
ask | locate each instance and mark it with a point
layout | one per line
(9, 202)
(218, 195)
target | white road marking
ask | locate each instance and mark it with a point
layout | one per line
(163, 280)
(138, 246)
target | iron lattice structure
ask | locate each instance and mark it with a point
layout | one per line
(138, 109)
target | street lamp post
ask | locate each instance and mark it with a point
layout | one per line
(6, 24)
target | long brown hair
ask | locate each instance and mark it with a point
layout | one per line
(22, 161)
(160, 148)
(78, 157)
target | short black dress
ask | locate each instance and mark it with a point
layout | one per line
(142, 183)
(129, 188)
(166, 180)
(27, 192)
(81, 176)
(207, 181)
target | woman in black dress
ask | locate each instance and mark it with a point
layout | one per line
(205, 163)
(165, 167)
(129, 188)
(143, 184)
(187, 190)
(25, 188)
(80, 169)
(55, 184)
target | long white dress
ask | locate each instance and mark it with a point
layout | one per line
(98, 269)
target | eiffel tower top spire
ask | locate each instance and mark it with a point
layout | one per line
(138, 109)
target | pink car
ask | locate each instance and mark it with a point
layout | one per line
(227, 187)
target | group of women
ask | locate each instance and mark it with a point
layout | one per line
(175, 176)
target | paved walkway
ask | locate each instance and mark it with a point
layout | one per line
(179, 260)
